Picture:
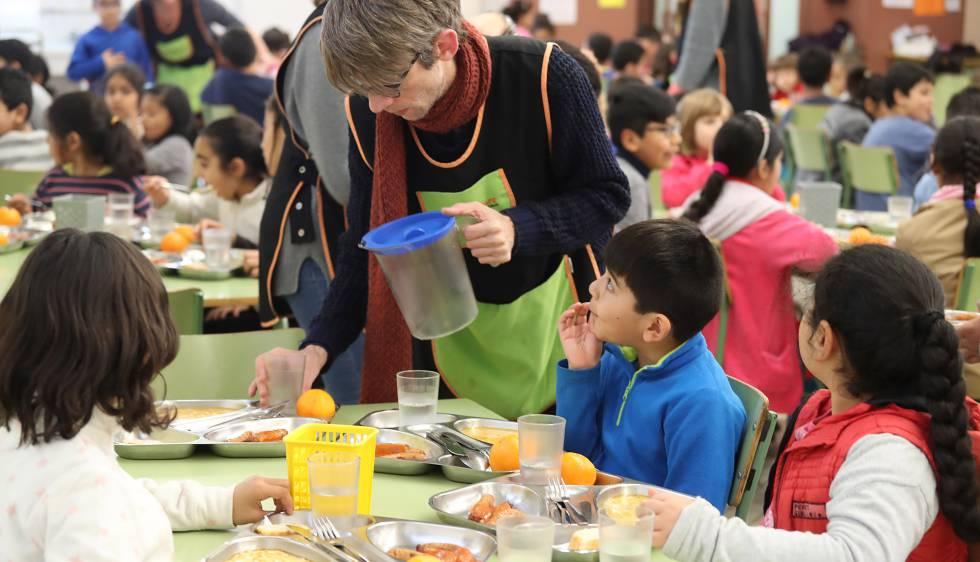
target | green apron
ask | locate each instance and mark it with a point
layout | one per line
(192, 79)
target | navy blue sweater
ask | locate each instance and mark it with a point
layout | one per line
(592, 195)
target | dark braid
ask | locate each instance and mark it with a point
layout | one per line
(971, 174)
(945, 391)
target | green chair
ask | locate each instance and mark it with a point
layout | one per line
(871, 169)
(187, 311)
(807, 116)
(657, 208)
(811, 149)
(16, 181)
(968, 293)
(213, 112)
(947, 86)
(760, 425)
(219, 366)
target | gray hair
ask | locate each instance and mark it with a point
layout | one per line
(368, 45)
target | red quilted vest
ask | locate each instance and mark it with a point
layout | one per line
(817, 450)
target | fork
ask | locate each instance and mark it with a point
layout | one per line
(558, 493)
(553, 493)
(325, 530)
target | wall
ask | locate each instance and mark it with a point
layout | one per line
(874, 24)
(784, 24)
(620, 23)
(971, 22)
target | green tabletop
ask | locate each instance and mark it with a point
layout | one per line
(230, 292)
(405, 497)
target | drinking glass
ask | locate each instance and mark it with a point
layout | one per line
(334, 479)
(418, 397)
(525, 538)
(541, 440)
(625, 539)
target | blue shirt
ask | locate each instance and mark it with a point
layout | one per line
(676, 424)
(924, 190)
(86, 60)
(247, 93)
(912, 142)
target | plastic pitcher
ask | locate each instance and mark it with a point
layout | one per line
(423, 262)
(819, 202)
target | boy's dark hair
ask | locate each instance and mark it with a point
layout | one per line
(903, 76)
(965, 103)
(957, 153)
(237, 48)
(131, 73)
(542, 21)
(39, 70)
(175, 101)
(625, 53)
(601, 46)
(648, 32)
(237, 137)
(276, 39)
(15, 89)
(103, 137)
(814, 66)
(595, 81)
(97, 301)
(633, 106)
(516, 9)
(671, 268)
(886, 309)
(16, 51)
(738, 145)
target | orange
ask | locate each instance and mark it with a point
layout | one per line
(187, 231)
(316, 403)
(794, 201)
(577, 470)
(860, 235)
(174, 243)
(3, 239)
(9, 217)
(504, 456)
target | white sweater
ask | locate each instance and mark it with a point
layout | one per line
(242, 217)
(70, 500)
(882, 501)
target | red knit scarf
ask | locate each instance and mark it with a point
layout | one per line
(388, 348)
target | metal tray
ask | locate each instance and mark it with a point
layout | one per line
(174, 444)
(472, 423)
(409, 534)
(454, 469)
(425, 428)
(11, 247)
(388, 419)
(245, 544)
(302, 517)
(453, 507)
(957, 317)
(193, 259)
(397, 466)
(218, 438)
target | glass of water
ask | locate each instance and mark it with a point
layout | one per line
(418, 397)
(285, 371)
(119, 214)
(525, 538)
(334, 479)
(541, 440)
(625, 538)
(161, 221)
(900, 207)
(217, 247)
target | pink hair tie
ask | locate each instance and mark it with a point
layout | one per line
(721, 168)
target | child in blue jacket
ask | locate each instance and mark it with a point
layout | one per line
(642, 394)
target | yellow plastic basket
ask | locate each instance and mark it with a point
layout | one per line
(302, 442)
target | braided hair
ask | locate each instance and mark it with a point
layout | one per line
(886, 308)
(957, 155)
(742, 143)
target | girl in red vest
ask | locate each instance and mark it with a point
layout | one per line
(879, 466)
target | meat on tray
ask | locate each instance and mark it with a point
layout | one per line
(442, 551)
(260, 436)
(488, 512)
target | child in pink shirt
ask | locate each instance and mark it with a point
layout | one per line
(761, 244)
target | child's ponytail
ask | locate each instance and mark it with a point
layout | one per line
(104, 137)
(122, 151)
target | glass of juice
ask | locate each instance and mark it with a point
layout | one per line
(333, 486)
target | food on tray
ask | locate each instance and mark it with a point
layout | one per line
(9, 216)
(185, 413)
(441, 552)
(266, 556)
(585, 539)
(488, 512)
(160, 259)
(860, 236)
(960, 316)
(623, 508)
(488, 434)
(173, 242)
(504, 455)
(260, 436)
(278, 529)
(316, 403)
(399, 451)
(577, 470)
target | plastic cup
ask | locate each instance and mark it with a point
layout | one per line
(285, 371)
(161, 221)
(900, 207)
(334, 479)
(119, 214)
(418, 397)
(217, 247)
(625, 539)
(525, 538)
(542, 441)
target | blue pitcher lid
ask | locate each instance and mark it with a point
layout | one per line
(408, 234)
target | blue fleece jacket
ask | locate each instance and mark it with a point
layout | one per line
(676, 424)
(86, 59)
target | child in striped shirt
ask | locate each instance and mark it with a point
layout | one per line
(21, 148)
(94, 154)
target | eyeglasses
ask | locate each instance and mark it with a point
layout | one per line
(668, 130)
(395, 90)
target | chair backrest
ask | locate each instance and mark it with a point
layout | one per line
(219, 366)
(187, 311)
(213, 112)
(947, 86)
(17, 181)
(723, 308)
(968, 293)
(760, 425)
(811, 149)
(806, 116)
(872, 169)
(657, 207)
